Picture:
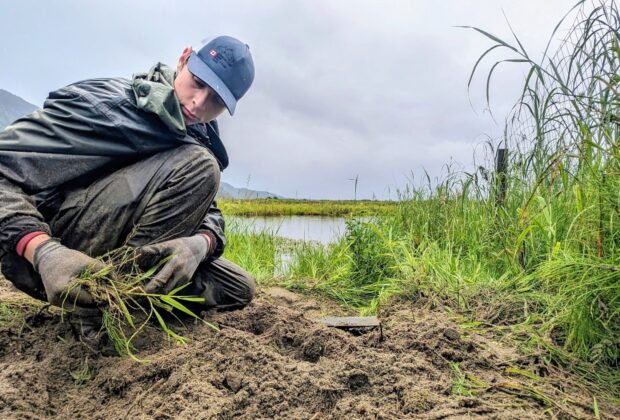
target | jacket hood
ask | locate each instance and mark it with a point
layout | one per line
(154, 92)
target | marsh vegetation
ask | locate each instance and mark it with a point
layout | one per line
(288, 207)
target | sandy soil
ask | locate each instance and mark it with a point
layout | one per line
(273, 360)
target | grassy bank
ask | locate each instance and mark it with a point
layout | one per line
(285, 207)
(534, 252)
(463, 253)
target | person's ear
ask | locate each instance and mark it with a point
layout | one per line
(187, 51)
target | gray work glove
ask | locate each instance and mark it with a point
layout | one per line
(58, 265)
(87, 325)
(186, 254)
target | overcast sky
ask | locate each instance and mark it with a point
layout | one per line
(375, 89)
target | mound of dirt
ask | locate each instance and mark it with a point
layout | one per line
(271, 360)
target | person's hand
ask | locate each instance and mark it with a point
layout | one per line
(185, 256)
(87, 326)
(58, 265)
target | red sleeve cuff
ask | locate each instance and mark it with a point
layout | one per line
(212, 241)
(23, 242)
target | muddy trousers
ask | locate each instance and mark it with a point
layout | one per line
(162, 197)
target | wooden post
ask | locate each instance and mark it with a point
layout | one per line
(501, 166)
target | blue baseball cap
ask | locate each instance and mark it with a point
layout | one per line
(225, 64)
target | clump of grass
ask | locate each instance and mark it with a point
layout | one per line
(9, 314)
(465, 384)
(312, 264)
(255, 251)
(14, 311)
(82, 375)
(371, 258)
(586, 306)
(127, 308)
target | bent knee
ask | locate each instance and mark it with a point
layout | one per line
(199, 159)
(240, 291)
(249, 290)
(195, 168)
(224, 285)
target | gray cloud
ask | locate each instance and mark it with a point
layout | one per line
(368, 88)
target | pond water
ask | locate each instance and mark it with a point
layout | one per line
(306, 228)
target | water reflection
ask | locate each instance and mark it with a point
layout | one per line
(306, 228)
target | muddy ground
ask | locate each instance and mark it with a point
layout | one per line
(274, 360)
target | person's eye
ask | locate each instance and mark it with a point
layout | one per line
(198, 82)
(218, 101)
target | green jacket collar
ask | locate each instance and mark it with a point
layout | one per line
(154, 92)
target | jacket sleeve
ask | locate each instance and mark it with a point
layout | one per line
(18, 214)
(213, 225)
(36, 154)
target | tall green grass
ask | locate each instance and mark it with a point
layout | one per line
(256, 251)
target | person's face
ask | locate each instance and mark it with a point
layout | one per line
(199, 103)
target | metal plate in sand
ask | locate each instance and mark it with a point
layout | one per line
(346, 322)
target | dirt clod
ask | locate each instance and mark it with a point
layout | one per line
(233, 382)
(312, 351)
(357, 380)
(451, 334)
(416, 401)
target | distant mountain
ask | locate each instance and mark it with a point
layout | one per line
(12, 107)
(228, 191)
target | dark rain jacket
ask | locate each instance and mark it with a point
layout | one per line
(84, 131)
